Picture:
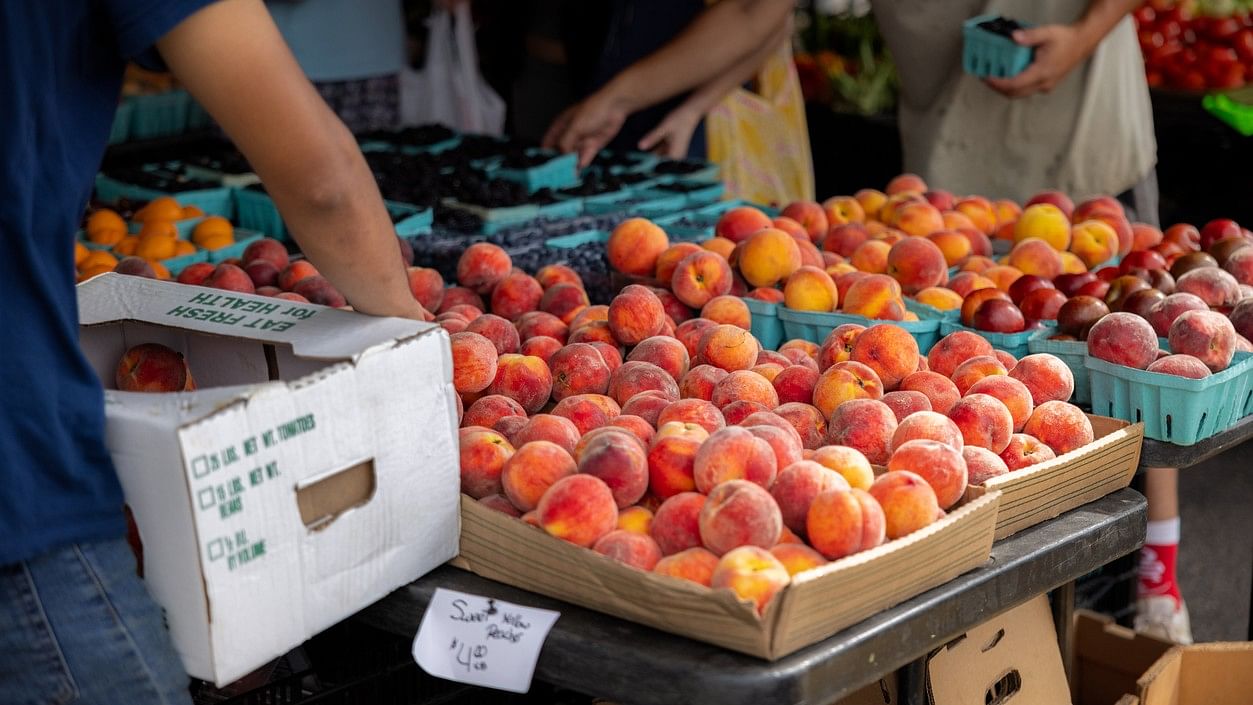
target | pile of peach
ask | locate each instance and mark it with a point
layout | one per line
(158, 239)
(266, 269)
(686, 449)
(152, 367)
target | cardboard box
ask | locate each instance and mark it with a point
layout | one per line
(1109, 659)
(505, 549)
(1043, 491)
(270, 510)
(1201, 674)
(1012, 658)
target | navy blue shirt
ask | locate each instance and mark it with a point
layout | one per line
(61, 64)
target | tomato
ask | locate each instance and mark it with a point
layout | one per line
(1150, 40)
(1145, 15)
(1229, 76)
(1193, 81)
(1243, 43)
(1223, 28)
(1170, 28)
(1155, 78)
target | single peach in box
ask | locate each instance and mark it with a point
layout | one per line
(523, 378)
(482, 266)
(579, 509)
(954, 246)
(587, 411)
(635, 314)
(728, 310)
(810, 289)
(1062, 427)
(838, 347)
(695, 564)
(690, 332)
(981, 212)
(903, 183)
(507, 426)
(791, 227)
(483, 456)
(843, 209)
(1045, 222)
(876, 296)
(965, 282)
(807, 420)
(938, 297)
(917, 263)
(927, 425)
(1206, 335)
(871, 257)
(844, 240)
(984, 421)
(842, 522)
(1164, 314)
(850, 463)
(474, 362)
(866, 425)
(983, 465)
(594, 436)
(888, 350)
(663, 351)
(976, 369)
(695, 411)
(730, 348)
(871, 200)
(456, 296)
(1024, 451)
(768, 257)
(769, 295)
(975, 299)
(739, 513)
(940, 464)
(1093, 242)
(734, 453)
(797, 557)
(744, 385)
(796, 487)
(738, 223)
(634, 246)
(908, 502)
(565, 301)
(487, 410)
(1046, 378)
(532, 469)
(845, 381)
(152, 367)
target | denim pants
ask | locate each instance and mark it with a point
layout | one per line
(77, 626)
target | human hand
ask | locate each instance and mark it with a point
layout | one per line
(587, 126)
(672, 136)
(1058, 49)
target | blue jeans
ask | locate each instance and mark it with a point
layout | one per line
(77, 626)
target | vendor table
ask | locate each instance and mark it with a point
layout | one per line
(611, 658)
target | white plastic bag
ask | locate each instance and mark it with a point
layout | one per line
(449, 89)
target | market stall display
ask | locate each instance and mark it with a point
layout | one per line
(1196, 46)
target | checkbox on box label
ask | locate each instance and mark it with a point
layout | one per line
(206, 498)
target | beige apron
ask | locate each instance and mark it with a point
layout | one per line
(1093, 134)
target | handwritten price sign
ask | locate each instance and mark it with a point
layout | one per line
(481, 641)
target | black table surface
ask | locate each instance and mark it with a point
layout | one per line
(611, 658)
(1158, 454)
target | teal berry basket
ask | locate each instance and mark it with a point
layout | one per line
(766, 326)
(256, 211)
(565, 242)
(702, 193)
(815, 326)
(1016, 344)
(989, 55)
(1174, 409)
(1075, 354)
(213, 201)
(496, 219)
(415, 221)
(159, 115)
(560, 171)
(928, 312)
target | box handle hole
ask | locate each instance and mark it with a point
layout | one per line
(324, 499)
(996, 639)
(1004, 689)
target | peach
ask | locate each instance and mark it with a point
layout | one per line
(769, 370)
(694, 411)
(675, 309)
(975, 369)
(635, 314)
(676, 523)
(1024, 451)
(621, 463)
(871, 200)
(483, 456)
(927, 425)
(637, 376)
(919, 219)
(294, 272)
(1062, 427)
(1011, 392)
(850, 463)
(637, 425)
(1240, 263)
(1093, 242)
(838, 347)
(917, 263)
(840, 210)
(954, 246)
(737, 411)
(700, 381)
(508, 426)
(983, 465)
(845, 381)
(500, 503)
(696, 564)
(810, 289)
(532, 469)
(1206, 335)
(548, 427)
(587, 411)
(670, 464)
(700, 277)
(737, 224)
(954, 349)
(842, 522)
(940, 464)
(903, 183)
(966, 282)
(807, 421)
(523, 378)
(734, 453)
(552, 274)
(690, 332)
(541, 346)
(954, 220)
(888, 350)
(796, 557)
(875, 296)
(744, 385)
(474, 362)
(195, 274)
(482, 266)
(981, 212)
(730, 348)
(669, 260)
(1045, 222)
(487, 410)
(796, 487)
(1046, 378)
(795, 383)
(769, 295)
(871, 257)
(665, 352)
(565, 301)
(728, 310)
(232, 278)
(752, 573)
(866, 425)
(499, 331)
(783, 440)
(739, 513)
(904, 403)
(637, 520)
(1033, 256)
(267, 249)
(264, 273)
(984, 421)
(461, 296)
(466, 311)
(1123, 339)
(540, 323)
(635, 245)
(579, 509)
(719, 246)
(152, 367)
(427, 286)
(793, 229)
(1164, 313)
(635, 549)
(1006, 211)
(939, 297)
(844, 240)
(908, 501)
(1180, 366)
(768, 257)
(515, 295)
(317, 290)
(810, 215)
(648, 405)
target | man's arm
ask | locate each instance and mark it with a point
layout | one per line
(718, 39)
(1059, 48)
(231, 57)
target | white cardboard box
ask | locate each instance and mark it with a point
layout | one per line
(315, 471)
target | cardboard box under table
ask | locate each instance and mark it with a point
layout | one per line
(1201, 674)
(314, 472)
(1109, 658)
(817, 604)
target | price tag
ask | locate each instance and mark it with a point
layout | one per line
(481, 641)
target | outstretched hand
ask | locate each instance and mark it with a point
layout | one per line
(672, 136)
(1059, 48)
(587, 126)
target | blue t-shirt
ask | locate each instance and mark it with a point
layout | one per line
(61, 64)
